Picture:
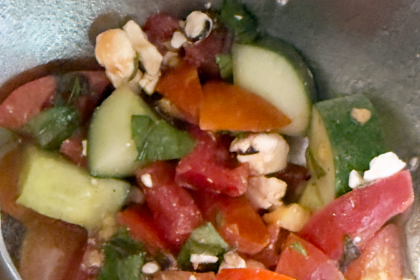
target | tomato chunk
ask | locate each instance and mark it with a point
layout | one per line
(235, 219)
(249, 273)
(53, 249)
(380, 256)
(181, 85)
(142, 227)
(26, 101)
(229, 107)
(183, 275)
(174, 210)
(302, 260)
(203, 53)
(210, 167)
(159, 29)
(359, 213)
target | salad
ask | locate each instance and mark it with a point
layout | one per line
(199, 152)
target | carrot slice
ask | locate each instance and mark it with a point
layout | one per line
(230, 107)
(181, 85)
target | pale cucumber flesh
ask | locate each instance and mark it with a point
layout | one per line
(273, 76)
(112, 151)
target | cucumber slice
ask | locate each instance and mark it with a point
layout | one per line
(59, 189)
(112, 151)
(342, 138)
(274, 70)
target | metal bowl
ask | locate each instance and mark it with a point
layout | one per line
(369, 46)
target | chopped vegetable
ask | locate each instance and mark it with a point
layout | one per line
(236, 16)
(275, 71)
(204, 240)
(338, 144)
(112, 151)
(250, 273)
(158, 140)
(57, 188)
(252, 113)
(359, 214)
(52, 126)
(302, 260)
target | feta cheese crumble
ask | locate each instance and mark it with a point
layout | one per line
(198, 25)
(197, 259)
(355, 179)
(232, 260)
(146, 179)
(383, 166)
(270, 154)
(265, 192)
(150, 268)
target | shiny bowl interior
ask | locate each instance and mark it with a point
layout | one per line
(360, 46)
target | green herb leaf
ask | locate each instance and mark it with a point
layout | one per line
(158, 140)
(298, 247)
(203, 240)
(52, 126)
(236, 17)
(124, 258)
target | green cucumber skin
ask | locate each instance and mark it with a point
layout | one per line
(274, 70)
(353, 145)
(112, 151)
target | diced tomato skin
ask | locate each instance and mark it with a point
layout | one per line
(314, 265)
(174, 210)
(183, 275)
(72, 148)
(249, 273)
(235, 219)
(139, 221)
(210, 167)
(230, 107)
(159, 29)
(269, 256)
(52, 250)
(382, 254)
(181, 85)
(26, 101)
(99, 84)
(359, 213)
(203, 54)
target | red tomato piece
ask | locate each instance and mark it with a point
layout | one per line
(183, 275)
(98, 85)
(230, 107)
(302, 260)
(159, 29)
(269, 256)
(210, 167)
(382, 255)
(10, 167)
(181, 85)
(174, 210)
(142, 227)
(203, 54)
(235, 219)
(52, 250)
(73, 149)
(359, 213)
(249, 273)
(26, 101)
